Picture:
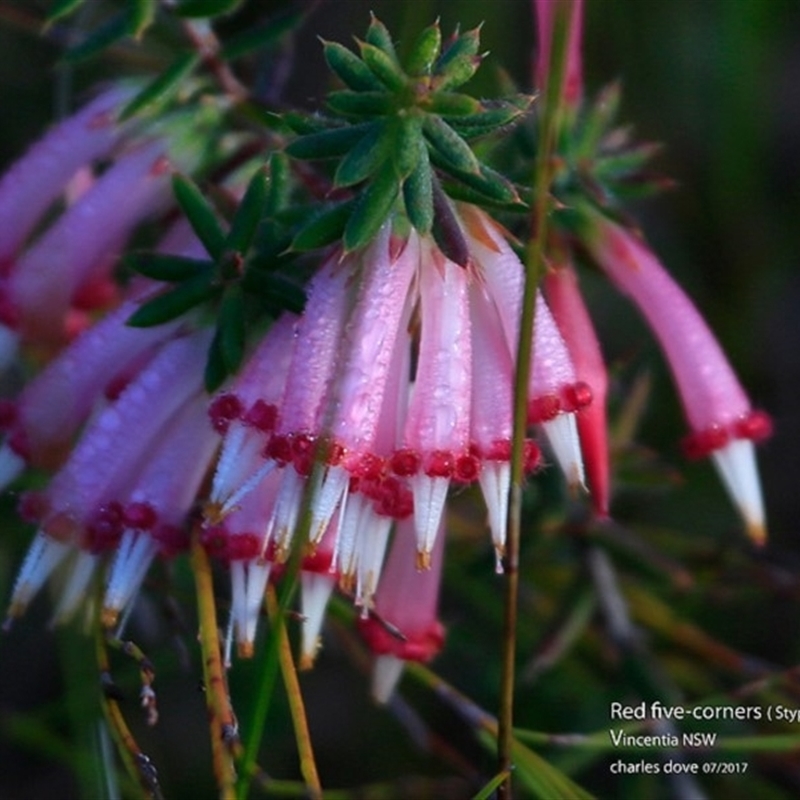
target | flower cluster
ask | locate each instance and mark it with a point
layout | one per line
(352, 418)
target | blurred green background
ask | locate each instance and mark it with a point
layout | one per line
(717, 82)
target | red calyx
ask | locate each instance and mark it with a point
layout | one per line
(224, 408)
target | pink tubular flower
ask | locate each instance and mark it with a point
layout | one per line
(50, 280)
(40, 176)
(394, 385)
(555, 394)
(720, 416)
(545, 11)
(51, 408)
(569, 311)
(80, 510)
(404, 625)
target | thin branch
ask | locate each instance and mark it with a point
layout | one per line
(308, 765)
(533, 270)
(221, 719)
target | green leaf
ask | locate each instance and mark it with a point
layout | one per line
(204, 9)
(383, 67)
(171, 304)
(162, 88)
(408, 146)
(61, 9)
(425, 51)
(142, 14)
(354, 73)
(372, 209)
(231, 328)
(324, 229)
(486, 181)
(329, 143)
(260, 37)
(163, 267)
(111, 31)
(418, 195)
(379, 36)
(215, 371)
(200, 214)
(248, 215)
(449, 145)
(360, 104)
(453, 104)
(280, 185)
(459, 47)
(489, 789)
(365, 157)
(496, 115)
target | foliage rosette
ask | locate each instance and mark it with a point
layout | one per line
(400, 135)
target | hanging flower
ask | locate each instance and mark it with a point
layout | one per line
(723, 423)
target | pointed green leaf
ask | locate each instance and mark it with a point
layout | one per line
(171, 304)
(408, 144)
(365, 158)
(111, 31)
(323, 229)
(487, 182)
(418, 195)
(200, 214)
(163, 267)
(248, 215)
(142, 14)
(353, 72)
(162, 88)
(260, 37)
(449, 145)
(379, 36)
(328, 143)
(372, 209)
(453, 104)
(371, 104)
(457, 73)
(598, 120)
(204, 9)
(459, 46)
(383, 67)
(231, 328)
(215, 371)
(61, 9)
(280, 185)
(425, 51)
(494, 117)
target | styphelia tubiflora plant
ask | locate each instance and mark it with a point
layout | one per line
(294, 378)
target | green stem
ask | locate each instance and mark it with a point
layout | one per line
(534, 267)
(308, 765)
(219, 707)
